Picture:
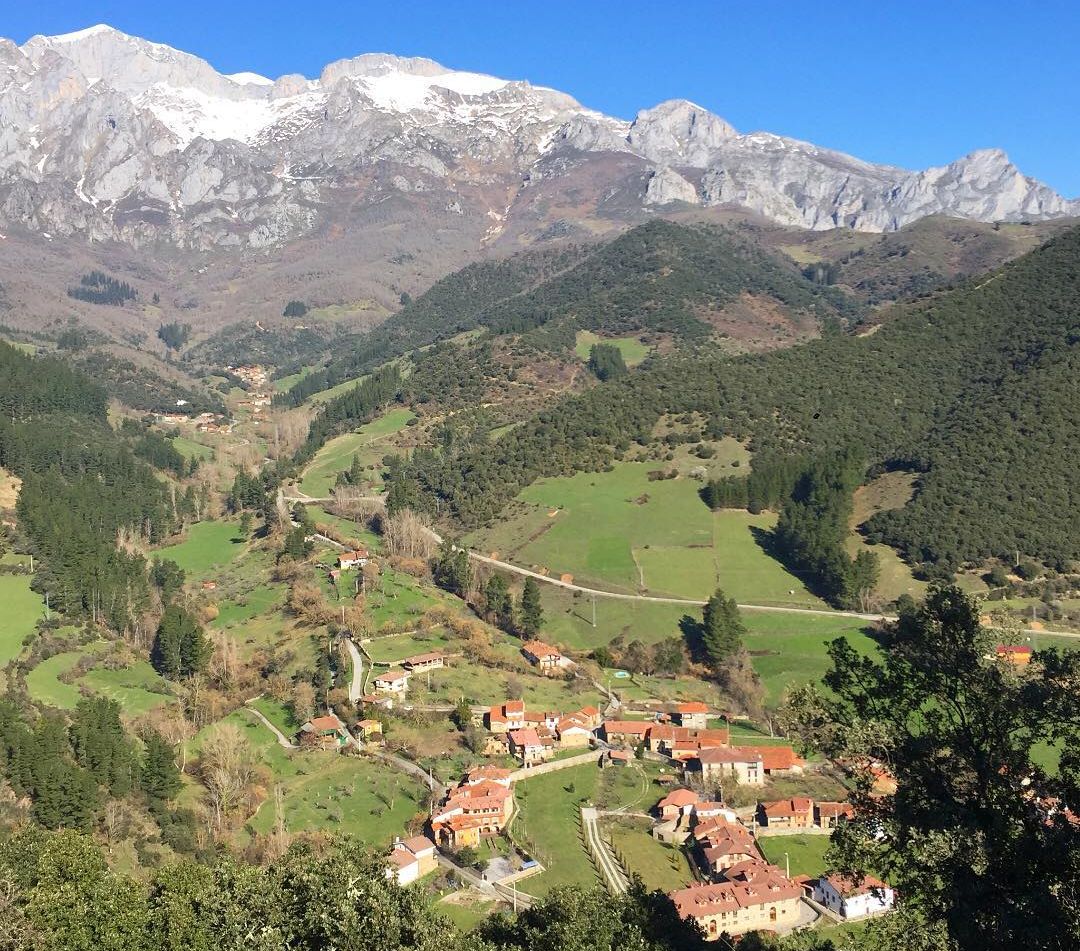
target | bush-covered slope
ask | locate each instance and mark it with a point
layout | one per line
(976, 389)
(660, 277)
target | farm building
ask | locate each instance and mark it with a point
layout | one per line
(432, 660)
(850, 898)
(693, 714)
(393, 681)
(794, 813)
(544, 656)
(356, 558)
(1019, 655)
(326, 732)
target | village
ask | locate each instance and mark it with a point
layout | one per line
(689, 760)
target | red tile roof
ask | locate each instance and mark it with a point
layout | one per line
(540, 650)
(525, 738)
(391, 675)
(424, 658)
(773, 757)
(631, 727)
(679, 797)
(692, 706)
(329, 722)
(720, 754)
(847, 886)
(833, 810)
(401, 858)
(701, 901)
(795, 806)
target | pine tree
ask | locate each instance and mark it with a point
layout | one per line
(160, 777)
(180, 648)
(499, 604)
(531, 612)
(722, 628)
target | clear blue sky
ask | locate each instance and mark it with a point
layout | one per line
(912, 83)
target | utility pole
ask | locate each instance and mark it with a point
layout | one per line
(787, 865)
(594, 610)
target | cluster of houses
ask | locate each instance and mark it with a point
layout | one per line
(395, 681)
(480, 806)
(742, 891)
(204, 422)
(532, 737)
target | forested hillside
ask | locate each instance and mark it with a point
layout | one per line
(81, 485)
(975, 389)
(661, 277)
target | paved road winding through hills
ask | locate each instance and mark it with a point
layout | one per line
(656, 599)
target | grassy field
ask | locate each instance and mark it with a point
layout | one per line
(337, 455)
(632, 349)
(138, 689)
(620, 531)
(208, 545)
(789, 649)
(21, 610)
(466, 909)
(786, 649)
(549, 818)
(349, 530)
(399, 646)
(249, 605)
(805, 852)
(345, 794)
(191, 449)
(660, 866)
(488, 685)
(892, 490)
(277, 713)
(400, 599)
(44, 686)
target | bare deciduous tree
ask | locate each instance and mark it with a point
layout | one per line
(408, 535)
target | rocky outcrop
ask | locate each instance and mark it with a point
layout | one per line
(115, 137)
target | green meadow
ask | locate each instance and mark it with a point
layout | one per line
(21, 610)
(208, 545)
(805, 853)
(337, 455)
(786, 648)
(632, 349)
(619, 530)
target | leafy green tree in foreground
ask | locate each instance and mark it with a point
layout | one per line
(978, 837)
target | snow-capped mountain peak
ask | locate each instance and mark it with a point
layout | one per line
(123, 138)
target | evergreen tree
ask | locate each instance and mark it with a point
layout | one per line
(722, 628)
(531, 611)
(606, 361)
(101, 746)
(168, 577)
(160, 777)
(297, 547)
(180, 647)
(452, 570)
(498, 603)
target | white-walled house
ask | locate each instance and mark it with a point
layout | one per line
(850, 898)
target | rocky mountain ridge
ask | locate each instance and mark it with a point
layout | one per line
(116, 138)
